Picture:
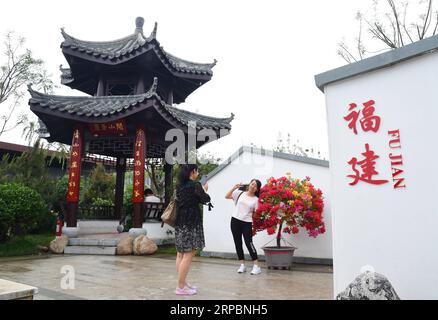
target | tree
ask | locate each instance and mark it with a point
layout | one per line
(101, 186)
(393, 24)
(206, 163)
(60, 151)
(18, 69)
(30, 169)
(295, 148)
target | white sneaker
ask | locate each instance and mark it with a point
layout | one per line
(256, 270)
(242, 269)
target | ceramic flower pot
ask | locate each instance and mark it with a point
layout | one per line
(279, 257)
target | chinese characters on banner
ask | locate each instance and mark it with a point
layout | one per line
(139, 162)
(364, 170)
(75, 166)
(109, 128)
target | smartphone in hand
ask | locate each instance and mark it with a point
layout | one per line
(203, 180)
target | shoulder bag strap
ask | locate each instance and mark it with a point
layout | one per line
(237, 200)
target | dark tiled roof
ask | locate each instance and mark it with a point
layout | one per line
(84, 106)
(99, 107)
(202, 121)
(133, 45)
(66, 76)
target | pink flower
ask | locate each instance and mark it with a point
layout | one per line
(306, 211)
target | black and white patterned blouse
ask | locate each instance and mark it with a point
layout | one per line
(189, 196)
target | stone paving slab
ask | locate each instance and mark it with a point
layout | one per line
(95, 250)
(154, 278)
(102, 242)
(10, 290)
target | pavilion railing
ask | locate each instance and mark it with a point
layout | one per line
(97, 212)
(153, 211)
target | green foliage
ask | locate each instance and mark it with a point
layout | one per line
(6, 221)
(25, 245)
(101, 202)
(30, 169)
(24, 205)
(128, 206)
(166, 249)
(100, 185)
(61, 189)
(17, 69)
(46, 223)
(207, 163)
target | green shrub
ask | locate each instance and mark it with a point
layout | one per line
(128, 206)
(6, 221)
(61, 189)
(24, 205)
(46, 223)
(101, 202)
(30, 169)
(100, 185)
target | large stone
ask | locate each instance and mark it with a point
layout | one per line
(71, 232)
(144, 246)
(58, 245)
(369, 286)
(137, 232)
(125, 246)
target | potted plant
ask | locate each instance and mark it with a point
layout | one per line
(287, 204)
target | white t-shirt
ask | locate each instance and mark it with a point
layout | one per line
(245, 206)
(152, 199)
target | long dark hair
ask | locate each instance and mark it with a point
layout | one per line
(259, 185)
(184, 174)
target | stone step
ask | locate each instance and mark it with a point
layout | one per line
(86, 227)
(90, 250)
(93, 242)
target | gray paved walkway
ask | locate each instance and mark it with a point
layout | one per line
(154, 277)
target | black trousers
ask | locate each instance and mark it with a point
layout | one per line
(241, 228)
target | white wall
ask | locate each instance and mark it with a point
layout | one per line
(394, 231)
(218, 235)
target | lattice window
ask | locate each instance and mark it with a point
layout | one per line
(122, 146)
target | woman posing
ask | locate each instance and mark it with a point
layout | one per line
(189, 231)
(246, 203)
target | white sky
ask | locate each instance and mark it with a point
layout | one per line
(268, 53)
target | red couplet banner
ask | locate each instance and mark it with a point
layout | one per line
(139, 161)
(75, 166)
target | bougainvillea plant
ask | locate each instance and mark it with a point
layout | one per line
(286, 205)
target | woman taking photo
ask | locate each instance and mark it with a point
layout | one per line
(246, 203)
(189, 231)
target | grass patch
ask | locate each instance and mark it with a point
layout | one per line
(170, 249)
(25, 245)
(167, 248)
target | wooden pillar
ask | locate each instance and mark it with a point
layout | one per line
(120, 186)
(170, 97)
(100, 87)
(74, 176)
(138, 189)
(168, 179)
(140, 89)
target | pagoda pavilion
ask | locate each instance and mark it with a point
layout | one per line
(132, 85)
